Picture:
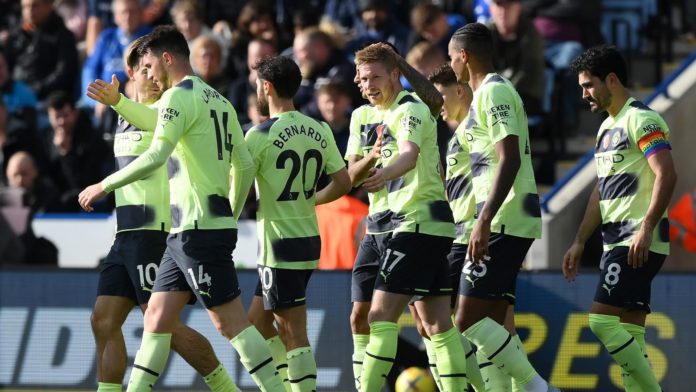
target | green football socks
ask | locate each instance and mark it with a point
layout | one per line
(495, 380)
(359, 344)
(432, 362)
(473, 373)
(379, 355)
(149, 361)
(108, 387)
(302, 370)
(497, 345)
(451, 363)
(516, 386)
(280, 357)
(625, 350)
(256, 357)
(638, 332)
(219, 380)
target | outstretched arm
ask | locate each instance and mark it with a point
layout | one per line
(137, 114)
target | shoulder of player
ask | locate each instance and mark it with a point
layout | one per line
(264, 127)
(410, 104)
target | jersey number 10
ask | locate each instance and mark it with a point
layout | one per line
(298, 164)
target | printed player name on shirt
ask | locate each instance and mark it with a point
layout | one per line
(291, 131)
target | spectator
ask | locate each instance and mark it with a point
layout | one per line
(320, 61)
(333, 100)
(244, 86)
(77, 156)
(187, 16)
(377, 24)
(566, 27)
(425, 57)
(518, 53)
(101, 17)
(74, 15)
(206, 58)
(431, 23)
(41, 52)
(341, 227)
(39, 195)
(256, 20)
(19, 99)
(16, 135)
(107, 58)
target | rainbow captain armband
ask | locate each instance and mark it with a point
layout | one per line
(653, 142)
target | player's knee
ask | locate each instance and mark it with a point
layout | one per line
(603, 326)
(421, 330)
(103, 324)
(358, 321)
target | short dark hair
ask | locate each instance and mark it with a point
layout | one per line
(475, 38)
(444, 75)
(165, 38)
(334, 88)
(600, 61)
(282, 73)
(58, 99)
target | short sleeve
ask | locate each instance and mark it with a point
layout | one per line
(171, 120)
(355, 146)
(334, 161)
(649, 132)
(255, 141)
(498, 109)
(414, 119)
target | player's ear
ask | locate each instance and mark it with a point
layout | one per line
(130, 73)
(167, 58)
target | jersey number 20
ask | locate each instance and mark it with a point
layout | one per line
(298, 164)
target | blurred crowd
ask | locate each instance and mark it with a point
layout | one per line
(54, 141)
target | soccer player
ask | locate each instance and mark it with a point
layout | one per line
(636, 180)
(200, 128)
(290, 151)
(508, 213)
(127, 275)
(415, 260)
(363, 155)
(457, 97)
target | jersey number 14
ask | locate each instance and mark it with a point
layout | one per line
(222, 139)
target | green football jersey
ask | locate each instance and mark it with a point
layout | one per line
(417, 199)
(496, 112)
(458, 184)
(290, 152)
(199, 127)
(624, 143)
(363, 133)
(143, 204)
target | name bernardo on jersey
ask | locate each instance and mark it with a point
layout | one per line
(289, 132)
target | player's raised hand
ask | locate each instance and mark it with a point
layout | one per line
(103, 92)
(571, 261)
(639, 249)
(90, 195)
(376, 151)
